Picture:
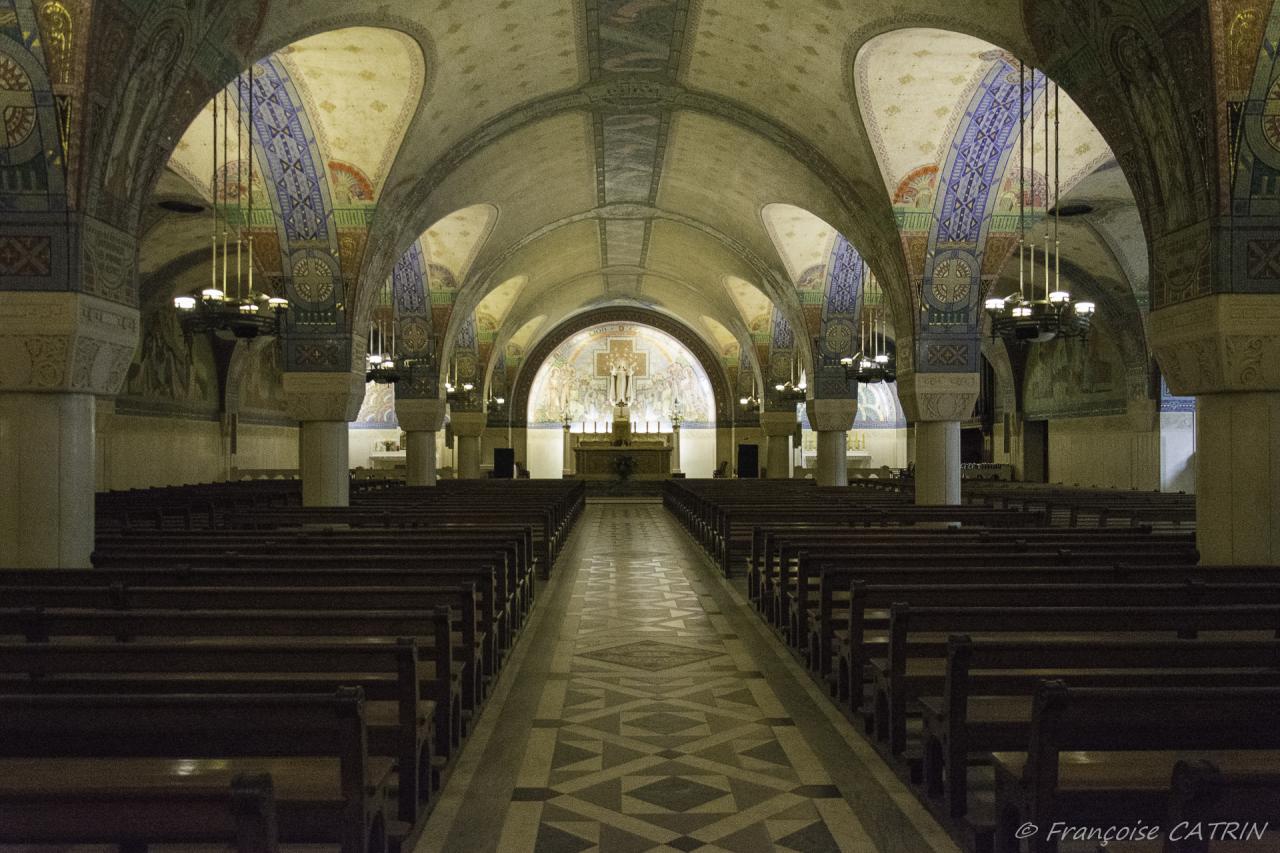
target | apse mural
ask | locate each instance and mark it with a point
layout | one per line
(378, 411)
(575, 379)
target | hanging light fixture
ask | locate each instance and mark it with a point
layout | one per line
(751, 402)
(874, 360)
(793, 390)
(228, 308)
(1033, 314)
(381, 363)
(455, 393)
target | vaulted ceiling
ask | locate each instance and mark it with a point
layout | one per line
(700, 159)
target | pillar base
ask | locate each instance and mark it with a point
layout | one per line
(467, 429)
(833, 462)
(420, 458)
(324, 461)
(938, 463)
(832, 420)
(1238, 478)
(46, 465)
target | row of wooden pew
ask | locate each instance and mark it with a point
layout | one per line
(288, 676)
(1018, 673)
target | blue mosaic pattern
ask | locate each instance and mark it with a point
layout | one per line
(783, 337)
(1170, 402)
(408, 282)
(467, 336)
(31, 168)
(287, 151)
(844, 279)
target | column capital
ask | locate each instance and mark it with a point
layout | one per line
(938, 396)
(468, 424)
(832, 415)
(1226, 342)
(778, 423)
(323, 396)
(65, 342)
(421, 415)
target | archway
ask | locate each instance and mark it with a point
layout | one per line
(678, 365)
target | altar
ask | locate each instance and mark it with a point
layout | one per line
(599, 461)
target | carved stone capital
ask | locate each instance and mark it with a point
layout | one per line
(323, 396)
(1221, 343)
(421, 415)
(778, 423)
(831, 415)
(468, 423)
(65, 342)
(938, 396)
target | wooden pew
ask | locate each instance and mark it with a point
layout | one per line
(491, 618)
(985, 704)
(897, 685)
(847, 646)
(439, 678)
(399, 724)
(1105, 756)
(138, 769)
(467, 640)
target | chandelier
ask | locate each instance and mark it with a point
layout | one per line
(231, 309)
(381, 365)
(1033, 314)
(751, 402)
(458, 394)
(873, 362)
(793, 390)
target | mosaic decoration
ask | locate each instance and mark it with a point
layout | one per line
(1072, 378)
(1256, 199)
(1170, 402)
(878, 408)
(32, 156)
(311, 248)
(969, 188)
(378, 411)
(629, 37)
(711, 366)
(625, 37)
(576, 378)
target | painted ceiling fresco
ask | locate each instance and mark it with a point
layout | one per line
(359, 87)
(738, 160)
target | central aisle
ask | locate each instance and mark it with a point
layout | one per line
(647, 709)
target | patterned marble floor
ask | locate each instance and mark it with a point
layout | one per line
(647, 713)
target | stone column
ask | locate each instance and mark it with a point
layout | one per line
(58, 352)
(778, 428)
(422, 421)
(467, 429)
(324, 403)
(937, 403)
(675, 448)
(566, 468)
(1225, 349)
(832, 420)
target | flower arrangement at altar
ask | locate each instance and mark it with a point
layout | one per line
(624, 465)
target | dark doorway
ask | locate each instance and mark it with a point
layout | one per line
(749, 461)
(972, 446)
(1035, 451)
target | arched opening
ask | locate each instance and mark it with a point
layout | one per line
(667, 387)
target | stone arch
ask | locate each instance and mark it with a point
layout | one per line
(720, 388)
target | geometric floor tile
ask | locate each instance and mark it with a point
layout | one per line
(652, 655)
(653, 732)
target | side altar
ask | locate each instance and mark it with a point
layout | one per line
(597, 458)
